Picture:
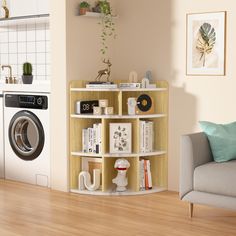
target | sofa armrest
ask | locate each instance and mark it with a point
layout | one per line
(195, 151)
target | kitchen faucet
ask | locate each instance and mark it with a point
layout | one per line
(10, 79)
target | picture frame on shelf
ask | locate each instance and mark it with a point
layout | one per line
(206, 44)
(120, 138)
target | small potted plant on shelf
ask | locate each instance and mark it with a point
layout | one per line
(27, 76)
(108, 25)
(84, 7)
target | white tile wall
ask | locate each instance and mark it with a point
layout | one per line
(28, 42)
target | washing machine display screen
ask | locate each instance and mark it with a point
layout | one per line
(27, 99)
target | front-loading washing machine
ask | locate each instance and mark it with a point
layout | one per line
(27, 148)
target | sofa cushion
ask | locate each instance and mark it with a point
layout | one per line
(222, 140)
(218, 178)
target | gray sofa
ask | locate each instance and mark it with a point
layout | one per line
(203, 181)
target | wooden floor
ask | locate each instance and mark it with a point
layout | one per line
(28, 210)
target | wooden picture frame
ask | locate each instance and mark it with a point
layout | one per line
(206, 34)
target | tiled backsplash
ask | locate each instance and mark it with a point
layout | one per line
(26, 42)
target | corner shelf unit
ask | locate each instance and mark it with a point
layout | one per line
(118, 99)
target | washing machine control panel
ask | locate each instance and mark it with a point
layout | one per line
(26, 101)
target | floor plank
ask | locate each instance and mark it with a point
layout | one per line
(30, 210)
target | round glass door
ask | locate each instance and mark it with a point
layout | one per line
(26, 135)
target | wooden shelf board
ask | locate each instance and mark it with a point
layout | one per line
(155, 153)
(84, 154)
(116, 90)
(91, 116)
(114, 193)
(111, 155)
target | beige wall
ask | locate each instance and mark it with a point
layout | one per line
(83, 44)
(151, 35)
(198, 98)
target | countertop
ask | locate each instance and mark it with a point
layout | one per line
(36, 87)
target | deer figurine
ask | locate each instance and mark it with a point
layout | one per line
(106, 72)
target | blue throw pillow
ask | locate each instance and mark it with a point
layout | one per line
(222, 140)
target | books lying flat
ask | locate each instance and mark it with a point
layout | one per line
(101, 86)
(130, 85)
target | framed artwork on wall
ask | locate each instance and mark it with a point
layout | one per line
(206, 43)
(120, 138)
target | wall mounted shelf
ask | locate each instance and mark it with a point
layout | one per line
(32, 19)
(94, 15)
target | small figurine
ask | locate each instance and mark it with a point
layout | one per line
(106, 72)
(121, 165)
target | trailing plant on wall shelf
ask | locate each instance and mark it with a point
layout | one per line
(107, 23)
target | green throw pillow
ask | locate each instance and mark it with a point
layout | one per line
(222, 140)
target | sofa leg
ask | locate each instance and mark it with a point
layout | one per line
(190, 210)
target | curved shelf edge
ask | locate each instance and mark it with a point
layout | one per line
(116, 90)
(111, 155)
(117, 116)
(113, 193)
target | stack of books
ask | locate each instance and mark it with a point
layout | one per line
(145, 174)
(146, 136)
(101, 85)
(92, 140)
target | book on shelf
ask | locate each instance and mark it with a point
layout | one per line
(145, 174)
(146, 133)
(91, 139)
(100, 82)
(130, 85)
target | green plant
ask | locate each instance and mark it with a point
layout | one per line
(206, 41)
(84, 4)
(107, 23)
(105, 7)
(27, 68)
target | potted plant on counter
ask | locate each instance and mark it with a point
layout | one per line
(84, 7)
(27, 76)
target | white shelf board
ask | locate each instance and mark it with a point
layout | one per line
(94, 15)
(112, 155)
(116, 90)
(114, 193)
(24, 20)
(91, 116)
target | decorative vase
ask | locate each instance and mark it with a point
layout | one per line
(85, 180)
(27, 79)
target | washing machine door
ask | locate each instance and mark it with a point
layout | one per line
(26, 135)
